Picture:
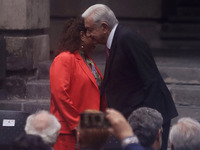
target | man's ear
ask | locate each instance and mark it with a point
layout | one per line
(105, 27)
(160, 131)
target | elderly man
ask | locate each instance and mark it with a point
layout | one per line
(147, 126)
(45, 125)
(185, 135)
(131, 78)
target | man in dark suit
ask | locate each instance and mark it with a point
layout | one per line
(131, 78)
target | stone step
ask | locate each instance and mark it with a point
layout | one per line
(185, 95)
(31, 105)
(174, 70)
(38, 89)
(184, 84)
(181, 52)
(180, 75)
(187, 111)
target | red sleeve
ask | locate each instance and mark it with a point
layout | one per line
(61, 74)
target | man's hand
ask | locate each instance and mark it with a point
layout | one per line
(119, 126)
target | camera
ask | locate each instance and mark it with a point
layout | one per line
(93, 120)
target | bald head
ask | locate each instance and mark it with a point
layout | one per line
(41, 121)
(45, 125)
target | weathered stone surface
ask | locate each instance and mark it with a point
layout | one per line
(2, 58)
(185, 94)
(56, 29)
(38, 89)
(40, 48)
(43, 69)
(65, 8)
(185, 111)
(15, 87)
(24, 14)
(136, 8)
(35, 105)
(149, 30)
(127, 9)
(11, 104)
(19, 54)
(38, 14)
(180, 75)
(26, 52)
(29, 106)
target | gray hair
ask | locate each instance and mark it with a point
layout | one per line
(185, 135)
(146, 122)
(101, 13)
(45, 125)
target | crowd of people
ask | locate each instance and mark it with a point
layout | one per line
(142, 131)
(130, 101)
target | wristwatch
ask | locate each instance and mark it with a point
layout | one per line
(129, 140)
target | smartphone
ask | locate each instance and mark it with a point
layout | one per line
(93, 120)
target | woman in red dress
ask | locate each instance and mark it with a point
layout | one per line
(75, 82)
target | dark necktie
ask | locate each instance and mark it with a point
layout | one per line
(107, 54)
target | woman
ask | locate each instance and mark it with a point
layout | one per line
(74, 82)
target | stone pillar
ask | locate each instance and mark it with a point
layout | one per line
(2, 68)
(25, 25)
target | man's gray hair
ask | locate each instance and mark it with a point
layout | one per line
(185, 135)
(101, 13)
(146, 123)
(45, 125)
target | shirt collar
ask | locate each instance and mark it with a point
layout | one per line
(110, 37)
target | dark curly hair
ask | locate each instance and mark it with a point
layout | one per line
(70, 38)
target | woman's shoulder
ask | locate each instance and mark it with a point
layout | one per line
(64, 55)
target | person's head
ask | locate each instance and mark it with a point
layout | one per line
(92, 136)
(74, 37)
(99, 20)
(185, 134)
(147, 126)
(29, 142)
(43, 124)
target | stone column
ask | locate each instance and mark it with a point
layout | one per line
(2, 68)
(24, 25)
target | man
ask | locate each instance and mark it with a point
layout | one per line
(122, 130)
(131, 78)
(147, 126)
(45, 125)
(185, 135)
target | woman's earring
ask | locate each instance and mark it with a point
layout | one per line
(82, 47)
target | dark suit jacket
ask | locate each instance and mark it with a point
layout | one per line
(132, 79)
(136, 147)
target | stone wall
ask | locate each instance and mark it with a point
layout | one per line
(24, 25)
(141, 15)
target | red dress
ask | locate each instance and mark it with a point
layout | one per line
(73, 90)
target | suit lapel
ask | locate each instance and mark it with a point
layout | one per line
(85, 68)
(110, 60)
